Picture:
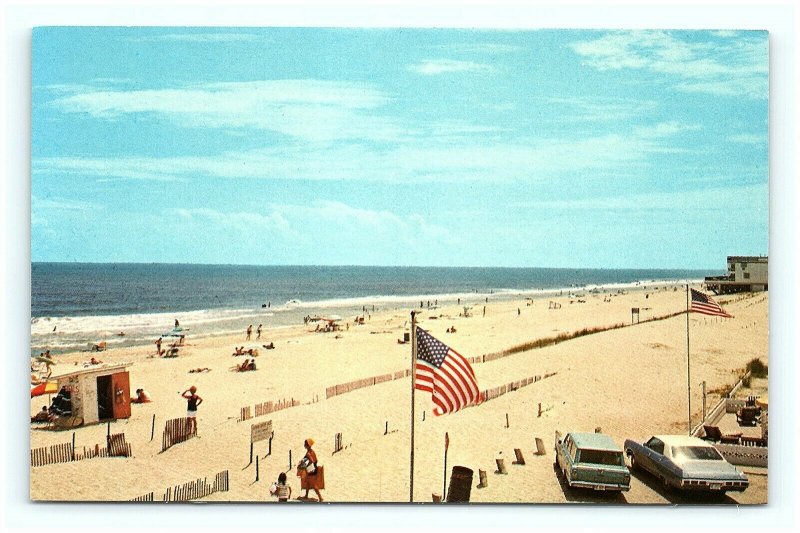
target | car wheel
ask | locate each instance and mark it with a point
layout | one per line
(634, 464)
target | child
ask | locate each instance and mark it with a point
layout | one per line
(281, 489)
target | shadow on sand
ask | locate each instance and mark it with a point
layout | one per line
(675, 496)
(587, 495)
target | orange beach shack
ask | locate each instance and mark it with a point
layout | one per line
(97, 394)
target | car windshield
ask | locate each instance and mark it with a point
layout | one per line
(602, 457)
(695, 453)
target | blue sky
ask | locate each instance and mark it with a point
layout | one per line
(399, 147)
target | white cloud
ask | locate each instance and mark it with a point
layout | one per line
(60, 204)
(598, 109)
(309, 109)
(721, 67)
(432, 67)
(318, 221)
(453, 153)
(208, 37)
(749, 138)
(755, 196)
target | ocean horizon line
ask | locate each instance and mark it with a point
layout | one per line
(319, 265)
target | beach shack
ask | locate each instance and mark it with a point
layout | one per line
(99, 393)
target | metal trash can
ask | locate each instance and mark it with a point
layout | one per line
(460, 485)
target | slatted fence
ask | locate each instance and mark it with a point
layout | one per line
(191, 490)
(64, 453)
(177, 430)
(265, 408)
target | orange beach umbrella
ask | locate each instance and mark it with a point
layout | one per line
(48, 387)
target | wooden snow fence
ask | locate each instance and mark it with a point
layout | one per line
(191, 490)
(350, 386)
(496, 392)
(47, 455)
(177, 430)
(65, 453)
(265, 408)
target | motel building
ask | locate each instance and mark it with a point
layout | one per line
(745, 274)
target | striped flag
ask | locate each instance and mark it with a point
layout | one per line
(705, 304)
(445, 374)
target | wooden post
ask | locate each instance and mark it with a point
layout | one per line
(540, 410)
(520, 459)
(506, 420)
(704, 401)
(540, 446)
(269, 449)
(153, 428)
(73, 445)
(290, 459)
(423, 416)
(256, 467)
(386, 429)
(251, 453)
(484, 483)
(444, 476)
(501, 466)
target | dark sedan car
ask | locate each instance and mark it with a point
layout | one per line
(685, 463)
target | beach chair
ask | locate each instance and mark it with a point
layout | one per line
(713, 433)
(67, 422)
(748, 415)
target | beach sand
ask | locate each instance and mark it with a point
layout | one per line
(631, 382)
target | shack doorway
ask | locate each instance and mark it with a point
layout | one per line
(105, 398)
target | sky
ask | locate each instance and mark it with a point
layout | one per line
(535, 148)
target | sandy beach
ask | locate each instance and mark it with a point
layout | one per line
(629, 381)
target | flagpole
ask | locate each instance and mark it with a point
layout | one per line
(413, 385)
(688, 366)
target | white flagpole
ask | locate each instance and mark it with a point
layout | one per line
(413, 385)
(688, 366)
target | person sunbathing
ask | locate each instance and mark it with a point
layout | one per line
(141, 397)
(42, 416)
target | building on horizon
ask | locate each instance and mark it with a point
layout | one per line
(746, 273)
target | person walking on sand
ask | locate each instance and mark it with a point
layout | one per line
(309, 464)
(249, 331)
(158, 347)
(280, 489)
(258, 332)
(193, 400)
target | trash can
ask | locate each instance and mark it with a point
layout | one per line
(406, 337)
(460, 484)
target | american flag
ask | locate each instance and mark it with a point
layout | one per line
(445, 374)
(703, 303)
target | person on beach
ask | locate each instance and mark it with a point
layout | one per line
(158, 347)
(142, 396)
(280, 489)
(177, 324)
(249, 331)
(42, 416)
(193, 401)
(258, 332)
(309, 464)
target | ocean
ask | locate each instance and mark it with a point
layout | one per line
(76, 304)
